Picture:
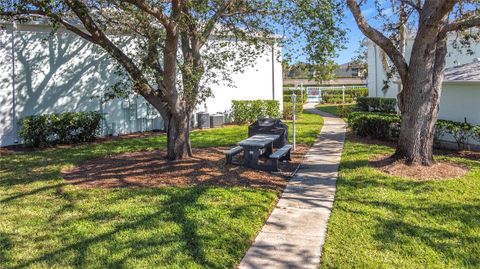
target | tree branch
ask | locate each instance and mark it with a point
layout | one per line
(378, 38)
(55, 17)
(155, 12)
(412, 4)
(81, 11)
(213, 21)
(462, 24)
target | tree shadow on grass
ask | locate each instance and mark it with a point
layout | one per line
(421, 219)
(143, 238)
(190, 242)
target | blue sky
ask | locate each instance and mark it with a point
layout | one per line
(354, 35)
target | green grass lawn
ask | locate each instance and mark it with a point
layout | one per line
(45, 222)
(382, 221)
(332, 108)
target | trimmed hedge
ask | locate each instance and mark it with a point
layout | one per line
(336, 96)
(288, 110)
(376, 125)
(377, 104)
(387, 126)
(250, 110)
(64, 128)
(287, 96)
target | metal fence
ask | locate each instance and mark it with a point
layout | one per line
(314, 94)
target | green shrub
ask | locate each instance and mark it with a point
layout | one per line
(336, 96)
(475, 133)
(288, 110)
(460, 131)
(35, 130)
(375, 125)
(377, 104)
(387, 126)
(251, 110)
(336, 99)
(344, 110)
(301, 96)
(65, 128)
(440, 131)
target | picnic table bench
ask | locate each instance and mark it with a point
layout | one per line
(256, 146)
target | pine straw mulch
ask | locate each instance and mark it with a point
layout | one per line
(437, 171)
(151, 169)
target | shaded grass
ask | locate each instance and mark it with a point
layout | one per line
(382, 221)
(46, 222)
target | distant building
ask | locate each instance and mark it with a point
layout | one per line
(348, 74)
(350, 69)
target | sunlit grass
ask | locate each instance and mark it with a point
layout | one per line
(382, 221)
(45, 222)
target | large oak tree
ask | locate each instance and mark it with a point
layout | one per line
(182, 46)
(430, 23)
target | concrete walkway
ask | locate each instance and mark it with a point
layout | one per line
(294, 233)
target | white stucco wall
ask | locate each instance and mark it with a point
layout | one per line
(460, 101)
(252, 84)
(65, 73)
(6, 88)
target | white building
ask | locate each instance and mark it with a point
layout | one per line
(42, 74)
(460, 98)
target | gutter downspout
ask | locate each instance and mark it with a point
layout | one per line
(14, 97)
(273, 72)
(376, 70)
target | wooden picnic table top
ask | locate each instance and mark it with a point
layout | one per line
(260, 140)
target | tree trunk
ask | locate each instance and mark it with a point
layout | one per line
(420, 112)
(178, 137)
(419, 102)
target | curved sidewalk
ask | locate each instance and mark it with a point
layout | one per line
(294, 233)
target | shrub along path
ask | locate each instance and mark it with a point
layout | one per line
(295, 231)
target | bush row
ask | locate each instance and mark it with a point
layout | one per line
(64, 128)
(336, 96)
(250, 110)
(288, 110)
(301, 96)
(335, 99)
(376, 125)
(377, 104)
(387, 126)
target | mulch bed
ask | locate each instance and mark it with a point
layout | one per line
(439, 170)
(151, 169)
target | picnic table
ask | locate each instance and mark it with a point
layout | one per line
(255, 146)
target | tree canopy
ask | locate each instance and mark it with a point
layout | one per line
(178, 48)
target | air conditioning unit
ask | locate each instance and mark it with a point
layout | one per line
(203, 120)
(217, 120)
